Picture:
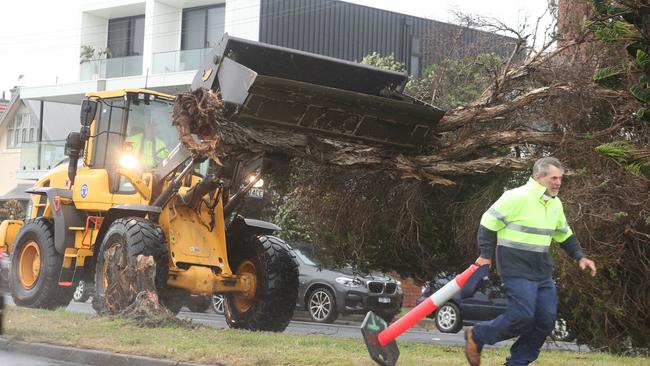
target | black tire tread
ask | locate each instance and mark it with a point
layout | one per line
(274, 308)
(141, 236)
(51, 295)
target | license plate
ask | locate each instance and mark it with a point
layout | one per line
(256, 193)
(384, 300)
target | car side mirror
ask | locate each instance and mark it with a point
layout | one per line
(88, 110)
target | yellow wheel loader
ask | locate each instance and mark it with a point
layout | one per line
(130, 188)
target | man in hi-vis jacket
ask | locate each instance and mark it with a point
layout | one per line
(521, 225)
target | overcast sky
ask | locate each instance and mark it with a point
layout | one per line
(28, 24)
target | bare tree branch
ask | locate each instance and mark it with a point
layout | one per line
(461, 116)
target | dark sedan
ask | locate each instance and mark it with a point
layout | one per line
(488, 302)
(327, 293)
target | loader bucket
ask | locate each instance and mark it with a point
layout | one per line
(308, 92)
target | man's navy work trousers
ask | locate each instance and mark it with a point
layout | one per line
(530, 315)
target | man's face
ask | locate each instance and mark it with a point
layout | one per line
(552, 181)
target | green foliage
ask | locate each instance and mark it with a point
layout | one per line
(611, 77)
(623, 152)
(613, 31)
(624, 21)
(635, 168)
(620, 215)
(643, 114)
(456, 82)
(384, 62)
(294, 226)
(89, 53)
(617, 150)
(368, 220)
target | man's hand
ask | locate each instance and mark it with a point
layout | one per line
(481, 261)
(585, 263)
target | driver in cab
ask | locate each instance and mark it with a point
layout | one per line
(142, 136)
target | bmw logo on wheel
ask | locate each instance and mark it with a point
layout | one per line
(83, 190)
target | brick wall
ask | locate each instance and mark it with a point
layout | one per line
(410, 288)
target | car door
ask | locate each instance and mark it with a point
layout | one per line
(487, 303)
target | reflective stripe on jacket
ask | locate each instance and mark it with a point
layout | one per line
(525, 224)
(524, 220)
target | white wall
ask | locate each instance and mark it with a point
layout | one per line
(94, 31)
(166, 27)
(243, 18)
(9, 158)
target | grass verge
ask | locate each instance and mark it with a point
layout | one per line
(189, 342)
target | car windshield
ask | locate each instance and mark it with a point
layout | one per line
(306, 256)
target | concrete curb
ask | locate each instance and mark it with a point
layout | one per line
(86, 356)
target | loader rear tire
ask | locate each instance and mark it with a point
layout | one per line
(270, 305)
(35, 268)
(132, 236)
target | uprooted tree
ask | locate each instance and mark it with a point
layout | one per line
(417, 213)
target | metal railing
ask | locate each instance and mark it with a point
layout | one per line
(42, 155)
(175, 61)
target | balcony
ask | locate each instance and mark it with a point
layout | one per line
(111, 68)
(36, 158)
(175, 61)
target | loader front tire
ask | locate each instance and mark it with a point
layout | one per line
(35, 268)
(130, 237)
(270, 304)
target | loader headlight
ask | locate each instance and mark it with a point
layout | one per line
(349, 282)
(129, 161)
(258, 184)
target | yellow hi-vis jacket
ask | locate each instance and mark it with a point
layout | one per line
(525, 223)
(148, 149)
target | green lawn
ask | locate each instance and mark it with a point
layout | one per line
(186, 342)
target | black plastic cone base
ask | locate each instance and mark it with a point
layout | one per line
(370, 328)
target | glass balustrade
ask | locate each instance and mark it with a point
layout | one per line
(110, 68)
(175, 61)
(43, 155)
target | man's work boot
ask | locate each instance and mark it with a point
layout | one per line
(472, 350)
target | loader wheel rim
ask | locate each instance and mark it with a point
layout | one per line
(243, 301)
(30, 265)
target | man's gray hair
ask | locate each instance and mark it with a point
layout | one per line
(541, 166)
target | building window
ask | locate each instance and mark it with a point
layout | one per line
(416, 55)
(126, 36)
(202, 27)
(22, 129)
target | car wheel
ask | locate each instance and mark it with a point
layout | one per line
(81, 292)
(322, 306)
(200, 305)
(217, 304)
(448, 318)
(561, 333)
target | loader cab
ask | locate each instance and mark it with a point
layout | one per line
(130, 129)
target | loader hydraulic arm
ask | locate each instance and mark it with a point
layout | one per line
(176, 182)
